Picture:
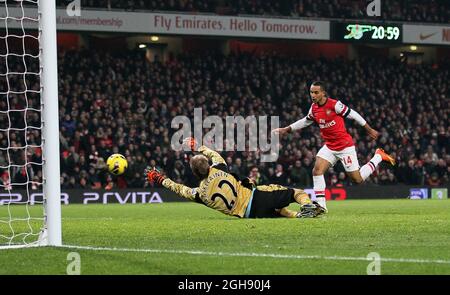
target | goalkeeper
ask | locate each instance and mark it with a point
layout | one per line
(221, 190)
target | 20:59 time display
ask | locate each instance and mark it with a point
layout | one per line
(367, 32)
(379, 32)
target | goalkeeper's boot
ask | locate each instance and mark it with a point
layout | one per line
(385, 157)
(307, 211)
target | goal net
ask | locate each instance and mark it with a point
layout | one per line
(29, 208)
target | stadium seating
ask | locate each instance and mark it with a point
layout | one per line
(437, 11)
(121, 103)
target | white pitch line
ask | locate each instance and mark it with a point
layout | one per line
(270, 255)
(87, 218)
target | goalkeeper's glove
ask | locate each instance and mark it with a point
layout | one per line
(191, 143)
(153, 175)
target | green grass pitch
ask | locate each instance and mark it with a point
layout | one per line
(411, 236)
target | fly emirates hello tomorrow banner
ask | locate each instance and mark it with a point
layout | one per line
(174, 24)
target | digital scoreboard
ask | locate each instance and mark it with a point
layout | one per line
(366, 32)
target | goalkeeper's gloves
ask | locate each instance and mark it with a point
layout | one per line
(191, 143)
(153, 175)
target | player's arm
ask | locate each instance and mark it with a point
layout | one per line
(348, 113)
(154, 176)
(300, 124)
(214, 156)
(180, 189)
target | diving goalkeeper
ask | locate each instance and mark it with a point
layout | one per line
(221, 190)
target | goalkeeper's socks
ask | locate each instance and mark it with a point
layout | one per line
(301, 197)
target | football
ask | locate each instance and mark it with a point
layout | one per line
(117, 164)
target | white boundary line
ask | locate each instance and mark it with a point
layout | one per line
(20, 246)
(281, 256)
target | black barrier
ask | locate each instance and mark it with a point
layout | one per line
(160, 195)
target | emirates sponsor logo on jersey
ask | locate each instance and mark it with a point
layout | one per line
(327, 125)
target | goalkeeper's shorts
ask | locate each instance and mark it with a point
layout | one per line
(267, 198)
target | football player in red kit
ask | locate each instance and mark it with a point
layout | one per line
(329, 114)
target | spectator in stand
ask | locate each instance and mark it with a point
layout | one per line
(280, 176)
(300, 177)
(257, 177)
(412, 174)
(237, 168)
(434, 180)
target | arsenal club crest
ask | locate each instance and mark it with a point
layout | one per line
(328, 112)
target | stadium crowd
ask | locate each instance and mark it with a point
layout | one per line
(437, 11)
(121, 103)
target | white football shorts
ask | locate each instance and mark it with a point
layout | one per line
(347, 157)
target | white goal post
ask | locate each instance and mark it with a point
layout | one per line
(29, 151)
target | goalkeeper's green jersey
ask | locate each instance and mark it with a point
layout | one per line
(220, 190)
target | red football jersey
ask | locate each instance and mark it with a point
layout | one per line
(330, 118)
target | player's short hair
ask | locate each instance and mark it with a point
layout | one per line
(321, 84)
(200, 166)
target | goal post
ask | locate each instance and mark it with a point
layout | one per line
(30, 202)
(50, 124)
